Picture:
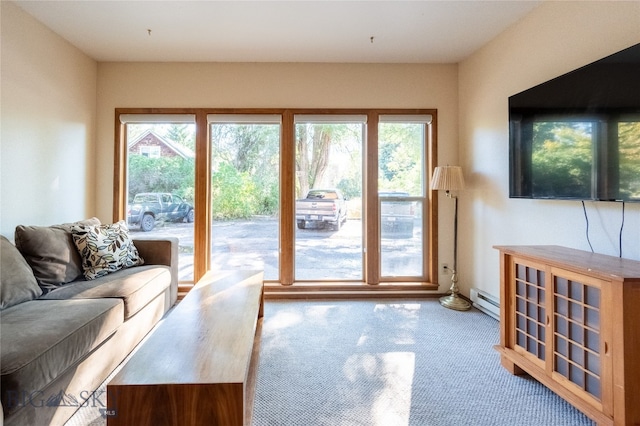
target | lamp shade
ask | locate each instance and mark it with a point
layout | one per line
(448, 178)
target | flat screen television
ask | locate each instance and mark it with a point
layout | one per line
(577, 137)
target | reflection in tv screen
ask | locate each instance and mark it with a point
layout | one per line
(562, 159)
(629, 158)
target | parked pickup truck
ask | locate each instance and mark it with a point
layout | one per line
(321, 207)
(149, 207)
(396, 214)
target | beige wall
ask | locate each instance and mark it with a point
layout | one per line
(48, 116)
(555, 38)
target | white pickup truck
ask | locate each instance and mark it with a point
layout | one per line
(321, 207)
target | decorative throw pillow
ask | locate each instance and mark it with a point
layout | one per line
(105, 248)
(51, 253)
(17, 283)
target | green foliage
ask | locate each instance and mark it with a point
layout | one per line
(165, 174)
(562, 158)
(327, 155)
(182, 134)
(563, 153)
(629, 142)
(245, 181)
(351, 187)
(400, 155)
(233, 193)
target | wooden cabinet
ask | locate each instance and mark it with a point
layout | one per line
(571, 319)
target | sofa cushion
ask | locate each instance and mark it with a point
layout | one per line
(51, 253)
(135, 286)
(43, 338)
(17, 283)
(104, 248)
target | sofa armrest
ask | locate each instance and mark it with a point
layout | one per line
(161, 251)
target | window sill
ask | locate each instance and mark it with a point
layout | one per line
(349, 290)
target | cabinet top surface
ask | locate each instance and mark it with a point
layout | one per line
(579, 260)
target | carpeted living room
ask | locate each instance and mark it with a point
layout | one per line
(166, 259)
(385, 362)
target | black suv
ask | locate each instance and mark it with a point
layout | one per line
(149, 207)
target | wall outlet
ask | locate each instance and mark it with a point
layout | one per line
(444, 268)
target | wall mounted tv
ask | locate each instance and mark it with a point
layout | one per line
(578, 136)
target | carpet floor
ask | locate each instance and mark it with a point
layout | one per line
(387, 363)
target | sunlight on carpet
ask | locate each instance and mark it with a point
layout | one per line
(392, 363)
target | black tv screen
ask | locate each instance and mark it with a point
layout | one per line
(578, 136)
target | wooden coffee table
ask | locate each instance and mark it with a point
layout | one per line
(199, 365)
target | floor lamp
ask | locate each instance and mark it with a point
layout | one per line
(449, 178)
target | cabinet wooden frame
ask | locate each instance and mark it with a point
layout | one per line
(606, 309)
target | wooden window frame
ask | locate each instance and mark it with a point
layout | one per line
(202, 238)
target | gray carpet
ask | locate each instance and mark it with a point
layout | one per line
(387, 363)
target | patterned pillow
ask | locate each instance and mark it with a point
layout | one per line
(104, 248)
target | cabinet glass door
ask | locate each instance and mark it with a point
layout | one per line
(530, 309)
(576, 352)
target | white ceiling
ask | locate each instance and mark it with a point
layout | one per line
(432, 31)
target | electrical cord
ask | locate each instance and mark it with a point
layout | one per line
(621, 227)
(586, 218)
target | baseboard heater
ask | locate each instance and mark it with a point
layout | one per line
(486, 303)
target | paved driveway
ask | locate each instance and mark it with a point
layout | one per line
(320, 253)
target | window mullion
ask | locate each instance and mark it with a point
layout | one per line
(287, 198)
(202, 236)
(372, 212)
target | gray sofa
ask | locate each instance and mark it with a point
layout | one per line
(61, 334)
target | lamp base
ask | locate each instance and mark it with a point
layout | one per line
(455, 302)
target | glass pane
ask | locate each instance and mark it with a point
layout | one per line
(562, 286)
(562, 366)
(592, 341)
(562, 158)
(160, 185)
(328, 242)
(401, 245)
(245, 195)
(592, 318)
(593, 363)
(401, 194)
(576, 375)
(592, 296)
(593, 386)
(521, 272)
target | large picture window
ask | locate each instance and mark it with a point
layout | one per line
(245, 192)
(159, 191)
(402, 194)
(329, 203)
(312, 197)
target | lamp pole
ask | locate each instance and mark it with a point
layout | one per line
(454, 301)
